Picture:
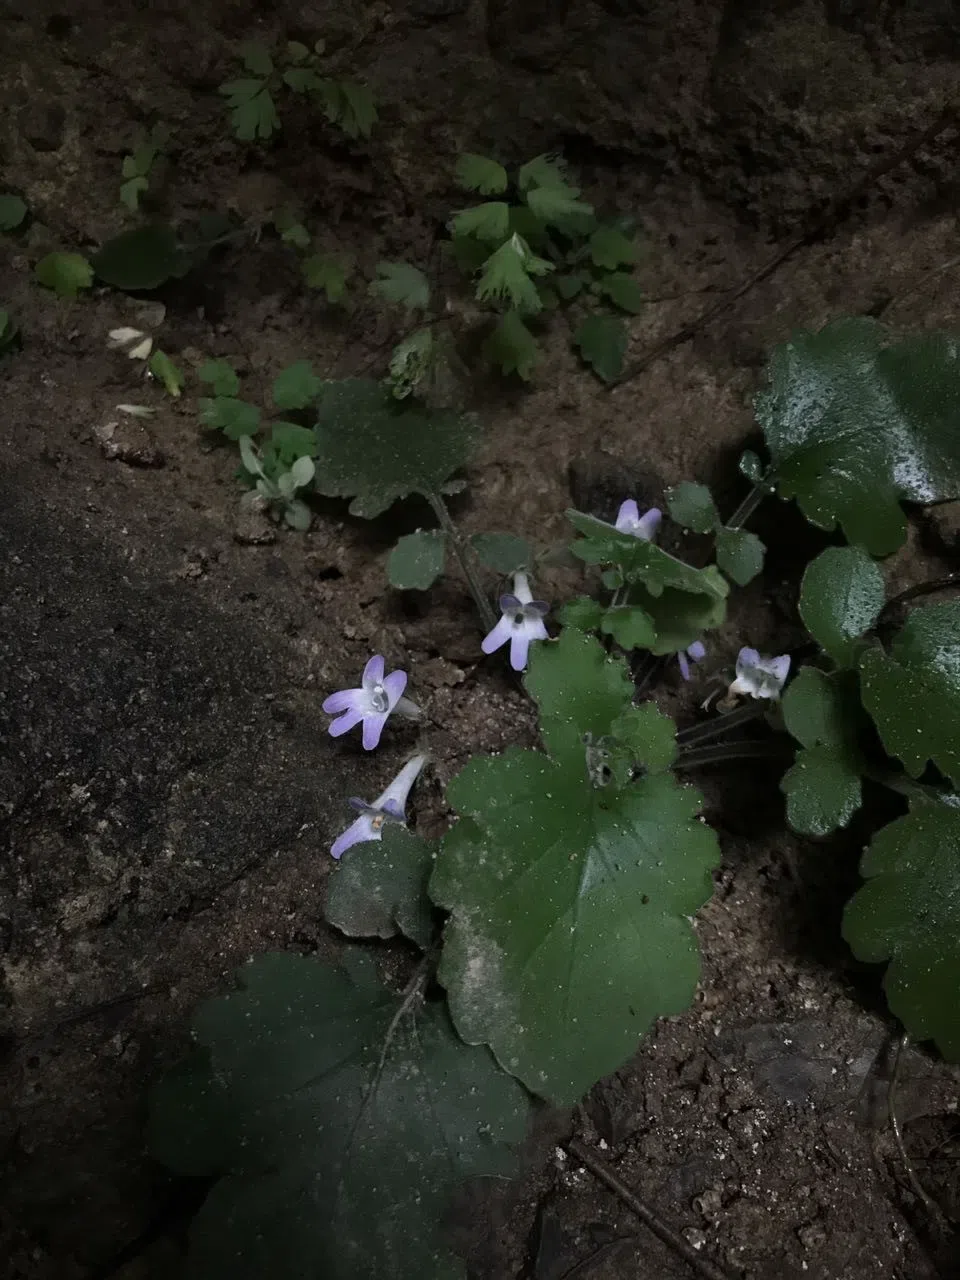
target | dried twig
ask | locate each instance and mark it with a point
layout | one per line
(602, 1171)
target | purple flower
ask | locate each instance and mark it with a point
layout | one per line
(521, 624)
(759, 677)
(629, 520)
(389, 807)
(696, 652)
(372, 703)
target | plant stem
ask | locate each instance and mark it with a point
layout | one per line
(750, 503)
(727, 751)
(719, 725)
(487, 616)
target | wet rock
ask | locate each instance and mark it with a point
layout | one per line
(438, 8)
(253, 527)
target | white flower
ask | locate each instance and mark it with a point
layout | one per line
(521, 623)
(759, 677)
(390, 806)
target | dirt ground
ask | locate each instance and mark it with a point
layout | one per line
(167, 788)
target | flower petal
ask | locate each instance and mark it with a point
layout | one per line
(519, 649)
(373, 671)
(697, 651)
(509, 604)
(393, 809)
(539, 606)
(648, 524)
(500, 634)
(393, 686)
(534, 629)
(780, 667)
(521, 588)
(627, 516)
(356, 833)
(747, 660)
(372, 729)
(343, 700)
(684, 664)
(345, 723)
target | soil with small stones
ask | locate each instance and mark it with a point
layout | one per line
(167, 789)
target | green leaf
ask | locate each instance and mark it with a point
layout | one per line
(506, 276)
(512, 347)
(329, 272)
(503, 552)
(823, 787)
(555, 205)
(841, 596)
(256, 58)
(65, 273)
(623, 291)
(371, 448)
(339, 1121)
(302, 80)
(569, 932)
(490, 221)
(235, 418)
(162, 367)
(630, 626)
(569, 287)
(649, 736)
(641, 561)
(908, 913)
(288, 442)
(402, 284)
(739, 555)
(582, 613)
(358, 109)
(692, 506)
(131, 191)
(750, 466)
(297, 51)
(379, 888)
(292, 231)
(253, 112)
(297, 386)
(9, 332)
(221, 376)
(416, 562)
(913, 693)
(141, 258)
(854, 427)
(610, 249)
(480, 174)
(12, 212)
(680, 617)
(542, 171)
(602, 342)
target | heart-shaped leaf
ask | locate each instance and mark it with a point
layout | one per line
(841, 596)
(416, 562)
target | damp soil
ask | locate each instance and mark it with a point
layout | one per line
(167, 789)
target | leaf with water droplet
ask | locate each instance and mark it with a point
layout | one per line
(908, 913)
(854, 426)
(841, 596)
(337, 1121)
(569, 898)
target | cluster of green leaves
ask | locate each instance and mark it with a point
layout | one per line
(339, 1117)
(855, 425)
(321, 270)
(536, 247)
(135, 261)
(298, 68)
(136, 167)
(659, 603)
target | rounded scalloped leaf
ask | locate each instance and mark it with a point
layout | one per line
(339, 1122)
(379, 888)
(841, 596)
(854, 427)
(913, 692)
(416, 562)
(908, 914)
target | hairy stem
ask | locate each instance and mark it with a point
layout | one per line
(461, 551)
(719, 725)
(725, 751)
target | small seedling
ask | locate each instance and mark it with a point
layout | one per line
(251, 100)
(137, 166)
(278, 492)
(12, 212)
(65, 273)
